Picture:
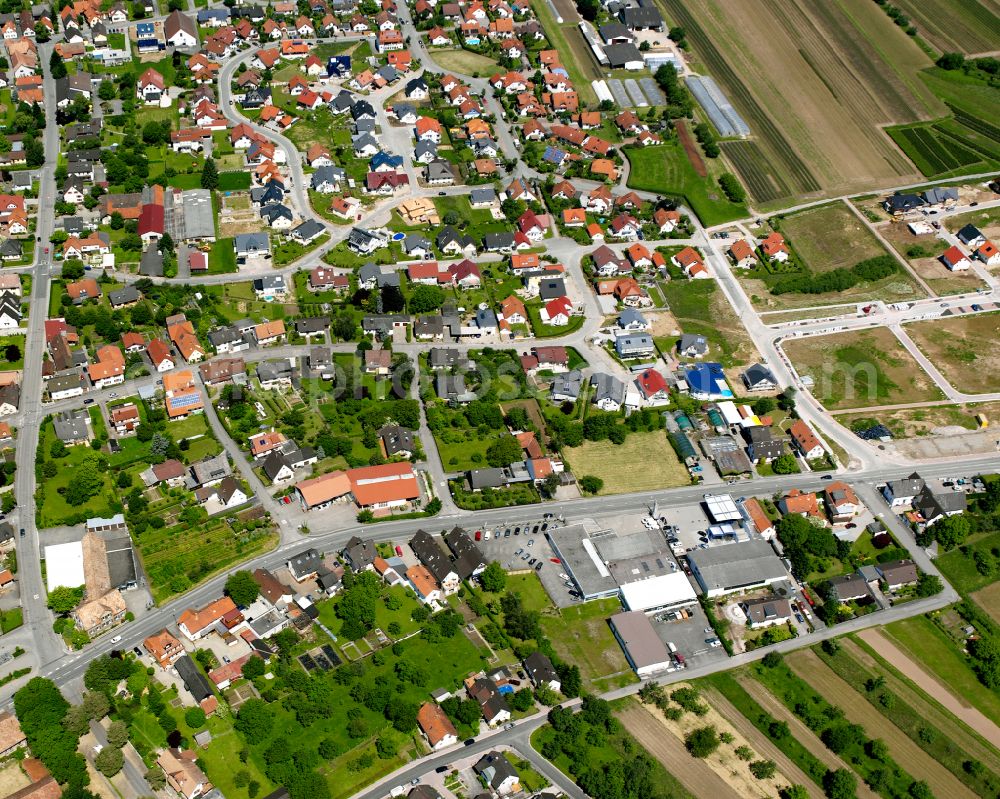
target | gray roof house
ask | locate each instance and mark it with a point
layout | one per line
(609, 391)
(72, 427)
(935, 506)
(759, 378)
(497, 771)
(397, 440)
(632, 320)
(692, 346)
(566, 387)
(639, 345)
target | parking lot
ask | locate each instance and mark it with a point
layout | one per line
(522, 545)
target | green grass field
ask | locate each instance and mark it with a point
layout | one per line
(52, 509)
(701, 308)
(644, 462)
(927, 644)
(581, 635)
(855, 370)
(830, 237)
(666, 169)
(383, 616)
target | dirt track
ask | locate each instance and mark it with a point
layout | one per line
(901, 661)
(696, 775)
(858, 710)
(802, 733)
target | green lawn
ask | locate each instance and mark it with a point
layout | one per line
(542, 330)
(665, 169)
(222, 257)
(11, 620)
(581, 635)
(926, 643)
(17, 342)
(383, 616)
(959, 568)
(52, 508)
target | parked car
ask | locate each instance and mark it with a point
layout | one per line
(538, 566)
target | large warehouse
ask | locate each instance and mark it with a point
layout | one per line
(645, 652)
(672, 590)
(736, 567)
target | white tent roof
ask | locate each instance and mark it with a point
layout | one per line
(64, 565)
(657, 592)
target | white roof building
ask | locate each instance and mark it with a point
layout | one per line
(657, 593)
(722, 508)
(64, 565)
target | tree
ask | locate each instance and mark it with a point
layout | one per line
(522, 700)
(590, 484)
(96, 705)
(702, 741)
(63, 599)
(87, 481)
(424, 298)
(951, 531)
(77, 720)
(117, 734)
(242, 588)
(763, 769)
(255, 720)
(156, 778)
(254, 668)
(784, 464)
(839, 784)
(793, 792)
(12, 353)
(951, 61)
(210, 174)
(493, 578)
(386, 746)
(109, 761)
(763, 406)
(194, 717)
(504, 451)
(929, 585)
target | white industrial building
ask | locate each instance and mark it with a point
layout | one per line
(659, 593)
(64, 565)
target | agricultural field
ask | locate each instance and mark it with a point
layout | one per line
(922, 254)
(861, 369)
(645, 461)
(839, 63)
(940, 655)
(941, 149)
(960, 26)
(830, 237)
(190, 547)
(858, 710)
(933, 420)
(963, 348)
(666, 169)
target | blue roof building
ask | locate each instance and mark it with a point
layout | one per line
(707, 381)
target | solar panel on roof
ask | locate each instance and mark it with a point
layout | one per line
(185, 399)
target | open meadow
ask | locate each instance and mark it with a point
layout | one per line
(830, 237)
(666, 169)
(861, 369)
(964, 348)
(816, 97)
(644, 462)
(925, 421)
